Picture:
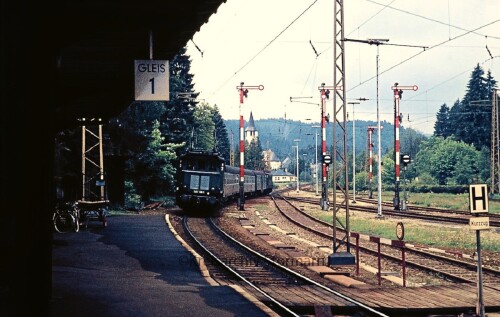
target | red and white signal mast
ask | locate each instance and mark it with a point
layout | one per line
(325, 157)
(243, 94)
(370, 158)
(398, 92)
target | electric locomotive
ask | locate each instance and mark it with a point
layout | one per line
(205, 182)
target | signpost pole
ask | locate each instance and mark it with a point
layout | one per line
(480, 304)
(478, 202)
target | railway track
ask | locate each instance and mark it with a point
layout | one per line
(421, 213)
(449, 268)
(283, 290)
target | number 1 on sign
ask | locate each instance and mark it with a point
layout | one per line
(152, 81)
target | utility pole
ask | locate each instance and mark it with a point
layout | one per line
(354, 150)
(398, 93)
(231, 155)
(370, 159)
(297, 162)
(353, 153)
(243, 90)
(495, 147)
(316, 156)
(379, 42)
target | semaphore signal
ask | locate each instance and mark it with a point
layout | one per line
(398, 93)
(243, 90)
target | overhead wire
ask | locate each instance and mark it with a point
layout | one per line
(385, 6)
(267, 45)
(423, 51)
(429, 19)
(374, 15)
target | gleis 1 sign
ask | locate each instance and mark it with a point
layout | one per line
(151, 80)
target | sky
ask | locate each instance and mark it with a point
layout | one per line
(287, 46)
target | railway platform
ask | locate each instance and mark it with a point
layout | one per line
(136, 267)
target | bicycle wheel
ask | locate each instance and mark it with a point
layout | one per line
(76, 226)
(76, 219)
(63, 222)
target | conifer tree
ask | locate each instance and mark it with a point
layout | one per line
(178, 120)
(204, 127)
(221, 138)
(441, 127)
(470, 120)
(253, 155)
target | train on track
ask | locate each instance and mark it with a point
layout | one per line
(205, 183)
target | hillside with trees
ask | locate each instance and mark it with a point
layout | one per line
(143, 143)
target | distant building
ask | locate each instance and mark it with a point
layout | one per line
(251, 132)
(282, 176)
(271, 160)
(285, 163)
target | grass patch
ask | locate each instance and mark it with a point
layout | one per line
(117, 212)
(441, 200)
(460, 237)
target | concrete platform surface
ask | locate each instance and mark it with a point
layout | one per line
(134, 267)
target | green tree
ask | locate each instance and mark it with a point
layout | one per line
(153, 171)
(362, 181)
(388, 169)
(129, 130)
(448, 161)
(410, 144)
(471, 121)
(253, 155)
(221, 137)
(204, 127)
(484, 164)
(441, 127)
(435, 159)
(177, 122)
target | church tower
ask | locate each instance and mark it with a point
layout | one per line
(251, 132)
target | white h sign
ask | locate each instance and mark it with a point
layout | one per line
(478, 198)
(151, 80)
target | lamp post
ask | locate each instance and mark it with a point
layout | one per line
(325, 92)
(316, 156)
(354, 149)
(376, 42)
(297, 158)
(353, 153)
(379, 42)
(304, 155)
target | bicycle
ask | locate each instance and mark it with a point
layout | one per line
(66, 218)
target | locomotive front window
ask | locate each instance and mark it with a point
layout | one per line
(205, 182)
(194, 182)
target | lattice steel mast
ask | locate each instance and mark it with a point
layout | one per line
(339, 160)
(93, 182)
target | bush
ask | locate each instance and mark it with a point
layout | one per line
(449, 189)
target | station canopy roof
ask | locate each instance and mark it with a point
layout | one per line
(96, 42)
